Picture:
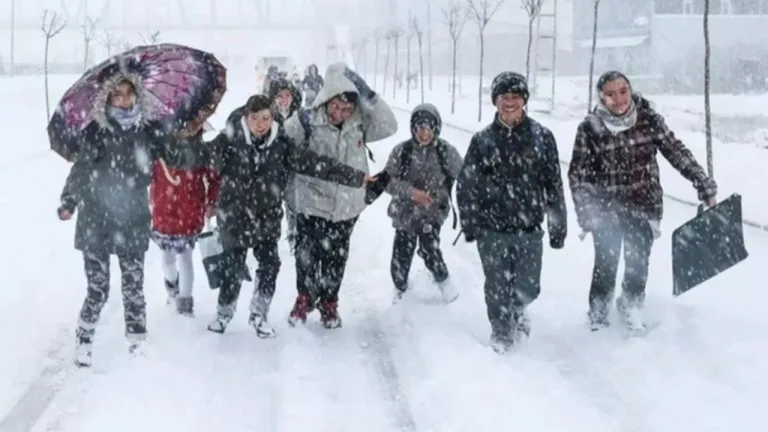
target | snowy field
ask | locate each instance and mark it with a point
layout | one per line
(420, 366)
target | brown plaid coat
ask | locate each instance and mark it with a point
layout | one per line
(619, 172)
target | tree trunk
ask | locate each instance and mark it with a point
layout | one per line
(429, 41)
(528, 51)
(45, 74)
(397, 57)
(421, 68)
(592, 55)
(707, 103)
(85, 57)
(480, 84)
(454, 60)
(364, 55)
(408, 72)
(375, 64)
(386, 69)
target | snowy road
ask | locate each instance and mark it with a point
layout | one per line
(420, 366)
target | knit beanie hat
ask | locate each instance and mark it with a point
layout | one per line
(509, 82)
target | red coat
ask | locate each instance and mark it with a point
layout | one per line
(179, 199)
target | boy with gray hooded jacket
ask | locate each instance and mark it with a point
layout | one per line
(345, 116)
(422, 171)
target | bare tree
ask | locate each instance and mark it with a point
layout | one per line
(592, 54)
(410, 34)
(419, 33)
(456, 18)
(707, 102)
(533, 9)
(397, 33)
(387, 40)
(482, 12)
(108, 41)
(51, 26)
(89, 33)
(150, 38)
(376, 46)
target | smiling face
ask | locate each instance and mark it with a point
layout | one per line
(284, 99)
(123, 96)
(259, 122)
(339, 111)
(510, 107)
(616, 95)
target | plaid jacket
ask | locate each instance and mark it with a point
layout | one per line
(619, 172)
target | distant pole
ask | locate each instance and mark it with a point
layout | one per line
(429, 41)
(12, 58)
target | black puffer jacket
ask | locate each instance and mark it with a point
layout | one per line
(253, 173)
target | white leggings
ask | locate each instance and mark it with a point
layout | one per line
(185, 272)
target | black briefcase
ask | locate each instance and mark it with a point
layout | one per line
(708, 245)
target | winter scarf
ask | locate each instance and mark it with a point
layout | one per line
(615, 123)
(127, 118)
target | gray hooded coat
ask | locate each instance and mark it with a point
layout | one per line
(372, 119)
(424, 172)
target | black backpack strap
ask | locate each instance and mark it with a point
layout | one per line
(442, 157)
(405, 158)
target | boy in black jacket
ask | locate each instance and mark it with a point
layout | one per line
(509, 182)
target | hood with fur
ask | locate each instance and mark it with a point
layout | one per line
(143, 100)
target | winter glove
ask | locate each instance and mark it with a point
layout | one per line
(362, 87)
(556, 240)
(470, 235)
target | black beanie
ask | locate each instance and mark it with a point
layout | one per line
(509, 82)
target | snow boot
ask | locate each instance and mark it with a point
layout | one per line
(219, 324)
(301, 309)
(329, 315)
(521, 327)
(398, 296)
(263, 329)
(136, 345)
(172, 288)
(185, 306)
(83, 352)
(448, 291)
(597, 319)
(501, 342)
(630, 315)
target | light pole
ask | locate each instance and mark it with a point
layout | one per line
(12, 59)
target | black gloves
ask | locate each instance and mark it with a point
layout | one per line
(556, 240)
(362, 87)
(374, 190)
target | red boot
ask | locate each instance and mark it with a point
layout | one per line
(301, 308)
(329, 314)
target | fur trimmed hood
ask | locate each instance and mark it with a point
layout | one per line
(143, 100)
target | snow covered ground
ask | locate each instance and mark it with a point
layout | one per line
(419, 366)
(739, 166)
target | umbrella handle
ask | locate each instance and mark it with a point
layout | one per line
(174, 180)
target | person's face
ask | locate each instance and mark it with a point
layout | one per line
(339, 111)
(260, 122)
(284, 99)
(616, 95)
(424, 134)
(510, 105)
(123, 96)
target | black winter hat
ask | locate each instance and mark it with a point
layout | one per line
(509, 82)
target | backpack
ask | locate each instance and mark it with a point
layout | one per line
(304, 119)
(442, 158)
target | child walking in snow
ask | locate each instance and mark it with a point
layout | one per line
(181, 200)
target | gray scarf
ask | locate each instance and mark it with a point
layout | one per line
(615, 123)
(127, 118)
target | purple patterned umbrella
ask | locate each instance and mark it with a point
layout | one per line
(178, 80)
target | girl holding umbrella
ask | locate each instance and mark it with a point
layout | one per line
(114, 123)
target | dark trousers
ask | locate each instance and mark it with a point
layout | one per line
(134, 304)
(637, 237)
(322, 251)
(429, 250)
(512, 268)
(267, 255)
